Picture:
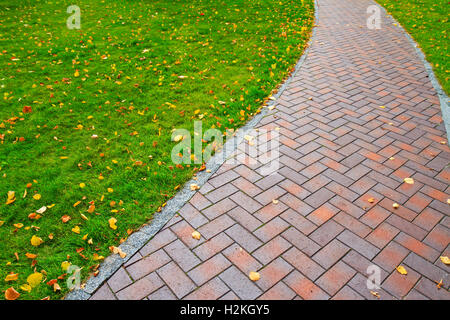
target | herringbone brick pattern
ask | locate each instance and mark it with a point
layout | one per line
(339, 148)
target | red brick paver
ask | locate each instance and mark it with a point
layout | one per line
(358, 117)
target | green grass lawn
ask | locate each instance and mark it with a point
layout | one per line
(427, 21)
(133, 72)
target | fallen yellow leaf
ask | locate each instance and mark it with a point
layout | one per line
(65, 265)
(36, 241)
(409, 180)
(402, 270)
(26, 287)
(12, 277)
(35, 279)
(112, 223)
(196, 235)
(76, 229)
(97, 257)
(11, 197)
(445, 259)
(254, 276)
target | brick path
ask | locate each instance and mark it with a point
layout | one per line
(319, 239)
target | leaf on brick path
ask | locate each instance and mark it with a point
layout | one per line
(76, 229)
(41, 210)
(448, 201)
(112, 223)
(12, 277)
(409, 180)
(35, 279)
(445, 260)
(11, 294)
(376, 294)
(274, 201)
(36, 241)
(26, 287)
(30, 255)
(37, 196)
(98, 257)
(11, 197)
(401, 270)
(439, 284)
(196, 235)
(395, 205)
(65, 218)
(371, 200)
(254, 276)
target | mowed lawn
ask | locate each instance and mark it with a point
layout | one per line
(427, 21)
(86, 115)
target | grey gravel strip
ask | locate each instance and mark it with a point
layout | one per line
(139, 238)
(443, 98)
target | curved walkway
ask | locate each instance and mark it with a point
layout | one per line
(343, 159)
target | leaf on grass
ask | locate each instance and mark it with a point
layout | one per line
(11, 294)
(11, 197)
(26, 287)
(35, 279)
(97, 257)
(41, 210)
(36, 241)
(76, 229)
(65, 265)
(12, 277)
(112, 223)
